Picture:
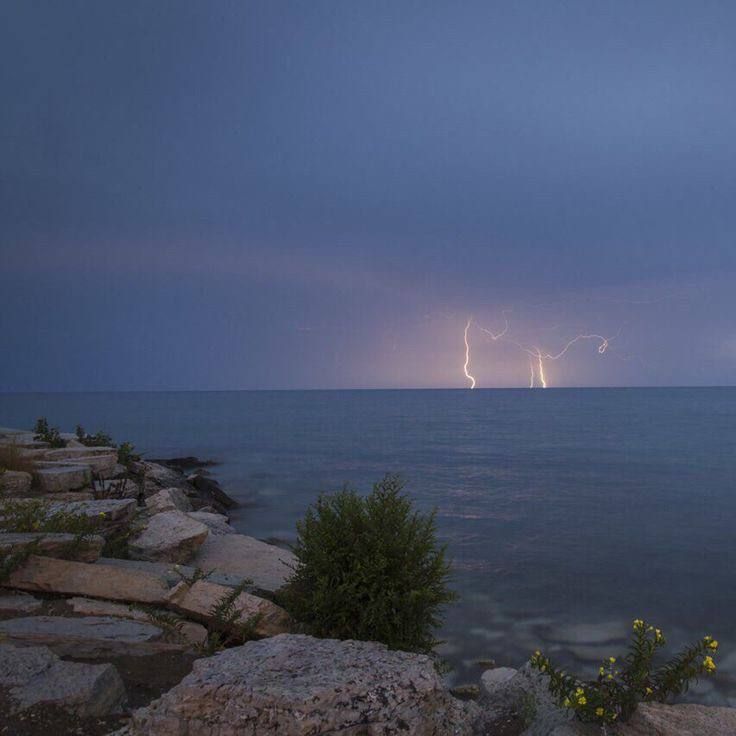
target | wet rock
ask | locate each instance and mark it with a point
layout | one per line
(14, 482)
(92, 637)
(168, 499)
(210, 491)
(48, 575)
(158, 474)
(86, 549)
(35, 676)
(170, 536)
(266, 565)
(295, 685)
(198, 600)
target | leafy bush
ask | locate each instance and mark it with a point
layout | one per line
(127, 454)
(47, 434)
(99, 439)
(369, 568)
(615, 694)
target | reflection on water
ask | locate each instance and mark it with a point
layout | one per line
(567, 512)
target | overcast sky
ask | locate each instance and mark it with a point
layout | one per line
(215, 195)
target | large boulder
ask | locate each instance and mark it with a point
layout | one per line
(35, 676)
(266, 565)
(170, 536)
(295, 685)
(47, 575)
(92, 637)
(198, 601)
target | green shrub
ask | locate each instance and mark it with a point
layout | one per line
(369, 568)
(47, 434)
(26, 516)
(99, 439)
(127, 454)
(615, 694)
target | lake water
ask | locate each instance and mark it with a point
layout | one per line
(567, 512)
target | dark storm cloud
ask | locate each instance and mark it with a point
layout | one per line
(267, 180)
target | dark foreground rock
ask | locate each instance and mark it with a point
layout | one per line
(35, 676)
(295, 685)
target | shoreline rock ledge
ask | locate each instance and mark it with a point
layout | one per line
(296, 685)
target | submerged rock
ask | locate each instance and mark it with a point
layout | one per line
(35, 676)
(295, 685)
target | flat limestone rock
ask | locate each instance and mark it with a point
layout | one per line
(86, 549)
(47, 575)
(92, 637)
(62, 478)
(14, 482)
(170, 536)
(197, 601)
(293, 685)
(14, 603)
(266, 565)
(35, 676)
(103, 510)
(190, 631)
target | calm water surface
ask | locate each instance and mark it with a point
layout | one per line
(567, 512)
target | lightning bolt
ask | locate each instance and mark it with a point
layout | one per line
(467, 355)
(536, 355)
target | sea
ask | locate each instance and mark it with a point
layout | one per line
(566, 513)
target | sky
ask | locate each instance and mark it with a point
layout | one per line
(255, 195)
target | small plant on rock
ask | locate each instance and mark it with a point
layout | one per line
(369, 568)
(620, 687)
(49, 435)
(99, 439)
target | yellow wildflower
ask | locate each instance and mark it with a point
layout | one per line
(566, 703)
(612, 659)
(709, 665)
(582, 700)
(713, 645)
(649, 691)
(599, 711)
(601, 671)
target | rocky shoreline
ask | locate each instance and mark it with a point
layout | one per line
(128, 604)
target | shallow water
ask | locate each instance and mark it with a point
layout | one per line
(567, 512)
